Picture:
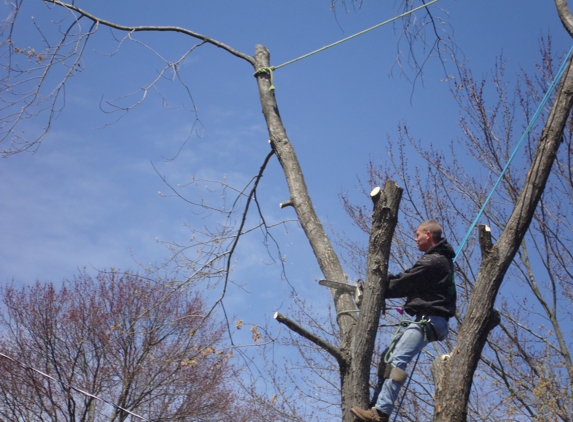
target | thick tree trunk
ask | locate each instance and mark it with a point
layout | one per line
(355, 352)
(384, 219)
(453, 392)
(300, 200)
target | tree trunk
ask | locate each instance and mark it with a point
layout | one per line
(565, 15)
(327, 259)
(384, 220)
(299, 198)
(357, 333)
(453, 392)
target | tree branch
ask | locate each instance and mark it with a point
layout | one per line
(565, 15)
(451, 403)
(299, 198)
(485, 242)
(178, 29)
(311, 337)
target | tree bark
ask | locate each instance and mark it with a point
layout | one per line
(299, 199)
(453, 393)
(565, 15)
(384, 220)
(356, 345)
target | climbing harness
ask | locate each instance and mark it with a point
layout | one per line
(425, 325)
(392, 372)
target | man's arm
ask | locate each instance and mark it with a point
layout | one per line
(411, 281)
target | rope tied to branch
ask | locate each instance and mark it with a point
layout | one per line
(272, 68)
(268, 70)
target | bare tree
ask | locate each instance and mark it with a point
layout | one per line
(25, 99)
(127, 340)
(525, 367)
(452, 392)
(356, 330)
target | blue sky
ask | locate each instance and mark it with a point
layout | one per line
(89, 195)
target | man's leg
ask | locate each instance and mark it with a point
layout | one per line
(381, 378)
(407, 347)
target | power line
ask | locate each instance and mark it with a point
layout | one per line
(79, 390)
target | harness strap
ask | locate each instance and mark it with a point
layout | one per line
(404, 323)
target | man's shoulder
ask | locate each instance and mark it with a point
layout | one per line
(435, 259)
(443, 248)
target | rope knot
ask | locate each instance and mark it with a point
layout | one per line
(268, 70)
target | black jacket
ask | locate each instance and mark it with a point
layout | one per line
(429, 285)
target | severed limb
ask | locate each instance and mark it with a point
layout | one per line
(335, 352)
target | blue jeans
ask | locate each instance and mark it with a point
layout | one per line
(408, 345)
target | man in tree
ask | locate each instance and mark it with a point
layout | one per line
(430, 294)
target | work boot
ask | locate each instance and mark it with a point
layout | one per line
(370, 415)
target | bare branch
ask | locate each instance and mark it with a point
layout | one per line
(99, 21)
(311, 337)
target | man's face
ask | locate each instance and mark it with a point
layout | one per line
(424, 240)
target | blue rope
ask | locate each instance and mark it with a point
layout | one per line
(527, 130)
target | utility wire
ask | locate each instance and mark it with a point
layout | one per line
(85, 393)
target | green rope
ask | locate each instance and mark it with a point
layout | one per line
(268, 70)
(357, 34)
(349, 312)
(273, 68)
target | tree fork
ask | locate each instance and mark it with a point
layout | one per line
(453, 394)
